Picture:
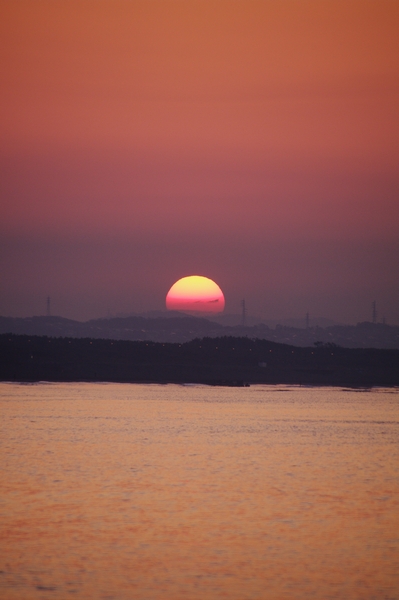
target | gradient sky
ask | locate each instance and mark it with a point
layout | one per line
(252, 142)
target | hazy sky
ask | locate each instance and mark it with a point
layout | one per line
(253, 142)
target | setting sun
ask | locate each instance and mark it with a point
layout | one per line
(195, 294)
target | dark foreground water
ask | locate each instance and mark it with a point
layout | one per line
(169, 492)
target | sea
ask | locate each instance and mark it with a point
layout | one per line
(172, 492)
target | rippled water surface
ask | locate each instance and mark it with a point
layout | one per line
(169, 492)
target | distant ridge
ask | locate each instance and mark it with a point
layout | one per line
(228, 361)
(178, 327)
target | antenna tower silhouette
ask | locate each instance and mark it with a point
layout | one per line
(48, 312)
(374, 312)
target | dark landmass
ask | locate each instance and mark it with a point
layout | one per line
(213, 361)
(183, 328)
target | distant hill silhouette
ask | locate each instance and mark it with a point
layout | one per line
(214, 361)
(178, 327)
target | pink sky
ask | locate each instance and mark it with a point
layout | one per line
(255, 143)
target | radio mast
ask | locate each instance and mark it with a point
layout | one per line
(374, 312)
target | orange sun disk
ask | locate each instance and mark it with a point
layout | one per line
(195, 294)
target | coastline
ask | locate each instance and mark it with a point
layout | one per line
(225, 361)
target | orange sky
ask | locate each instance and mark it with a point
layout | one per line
(253, 142)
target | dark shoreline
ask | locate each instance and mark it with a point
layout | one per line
(226, 361)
